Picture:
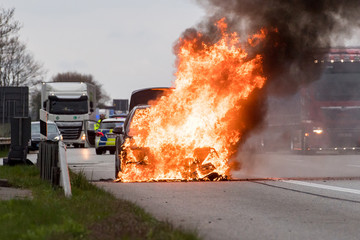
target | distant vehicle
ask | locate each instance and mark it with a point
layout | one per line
(53, 134)
(105, 138)
(322, 116)
(71, 106)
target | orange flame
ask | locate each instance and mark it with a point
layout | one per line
(191, 133)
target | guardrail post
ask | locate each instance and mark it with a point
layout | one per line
(64, 170)
(48, 161)
(53, 165)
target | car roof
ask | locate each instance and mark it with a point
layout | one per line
(113, 120)
(142, 106)
(124, 115)
(146, 95)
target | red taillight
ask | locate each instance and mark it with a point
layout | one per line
(99, 134)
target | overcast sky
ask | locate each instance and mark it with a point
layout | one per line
(124, 44)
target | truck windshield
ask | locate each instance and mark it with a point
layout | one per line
(339, 85)
(68, 106)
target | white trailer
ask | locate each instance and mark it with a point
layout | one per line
(71, 106)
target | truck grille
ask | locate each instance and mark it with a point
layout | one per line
(70, 130)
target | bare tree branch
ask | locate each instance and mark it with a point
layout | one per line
(17, 66)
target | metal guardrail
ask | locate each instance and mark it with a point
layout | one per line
(48, 159)
(53, 165)
(5, 141)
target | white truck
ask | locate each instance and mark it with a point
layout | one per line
(71, 106)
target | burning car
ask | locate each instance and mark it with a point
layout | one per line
(129, 154)
(192, 131)
(124, 134)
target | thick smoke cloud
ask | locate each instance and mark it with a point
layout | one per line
(303, 26)
(296, 30)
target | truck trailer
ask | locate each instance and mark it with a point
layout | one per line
(321, 116)
(71, 106)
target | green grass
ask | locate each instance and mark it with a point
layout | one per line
(4, 150)
(91, 213)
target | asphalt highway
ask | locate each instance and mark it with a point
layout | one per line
(252, 209)
(272, 196)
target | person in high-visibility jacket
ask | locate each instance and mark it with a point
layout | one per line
(97, 124)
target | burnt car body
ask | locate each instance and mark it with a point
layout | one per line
(123, 133)
(196, 166)
(140, 101)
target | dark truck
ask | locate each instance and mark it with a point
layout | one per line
(324, 115)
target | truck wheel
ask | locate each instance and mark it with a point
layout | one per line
(98, 151)
(112, 151)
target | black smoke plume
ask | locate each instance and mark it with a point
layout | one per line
(302, 28)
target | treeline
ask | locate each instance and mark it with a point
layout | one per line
(19, 68)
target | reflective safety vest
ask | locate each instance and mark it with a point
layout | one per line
(97, 124)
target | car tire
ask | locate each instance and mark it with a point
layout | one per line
(117, 162)
(120, 156)
(117, 157)
(98, 151)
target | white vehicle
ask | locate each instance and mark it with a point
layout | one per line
(71, 106)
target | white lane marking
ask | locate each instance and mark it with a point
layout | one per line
(316, 185)
(352, 165)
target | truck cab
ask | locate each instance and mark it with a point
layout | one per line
(71, 106)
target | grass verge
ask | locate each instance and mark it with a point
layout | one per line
(4, 151)
(91, 213)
